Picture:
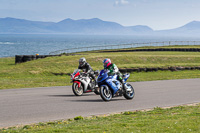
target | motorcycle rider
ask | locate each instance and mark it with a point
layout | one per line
(113, 70)
(83, 65)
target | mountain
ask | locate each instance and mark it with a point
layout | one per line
(69, 26)
(13, 25)
(189, 29)
(140, 29)
(94, 26)
(91, 26)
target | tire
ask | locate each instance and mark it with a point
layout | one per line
(129, 95)
(105, 93)
(33, 57)
(96, 91)
(37, 56)
(27, 58)
(18, 59)
(77, 91)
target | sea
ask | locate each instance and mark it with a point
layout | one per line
(43, 44)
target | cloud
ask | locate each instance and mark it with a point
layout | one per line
(121, 2)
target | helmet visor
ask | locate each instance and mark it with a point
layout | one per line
(105, 64)
(81, 63)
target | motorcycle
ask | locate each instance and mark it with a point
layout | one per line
(111, 87)
(83, 83)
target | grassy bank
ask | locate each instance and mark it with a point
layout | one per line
(182, 119)
(156, 47)
(39, 73)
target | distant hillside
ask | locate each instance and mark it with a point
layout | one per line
(140, 29)
(13, 25)
(90, 26)
(190, 29)
(69, 26)
(93, 26)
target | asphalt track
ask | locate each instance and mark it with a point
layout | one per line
(33, 105)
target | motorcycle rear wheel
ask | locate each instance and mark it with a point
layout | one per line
(78, 91)
(129, 95)
(105, 93)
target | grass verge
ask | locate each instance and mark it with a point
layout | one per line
(182, 119)
(39, 73)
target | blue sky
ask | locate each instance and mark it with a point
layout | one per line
(157, 14)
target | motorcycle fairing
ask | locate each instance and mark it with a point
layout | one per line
(126, 76)
(113, 83)
(102, 76)
(79, 83)
(85, 83)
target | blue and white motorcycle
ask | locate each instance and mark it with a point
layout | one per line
(111, 87)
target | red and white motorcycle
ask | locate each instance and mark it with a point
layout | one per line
(83, 83)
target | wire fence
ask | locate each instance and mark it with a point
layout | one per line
(123, 46)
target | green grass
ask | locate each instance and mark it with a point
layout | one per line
(155, 47)
(182, 119)
(39, 73)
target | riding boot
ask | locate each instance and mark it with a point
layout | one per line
(122, 82)
(95, 80)
(96, 85)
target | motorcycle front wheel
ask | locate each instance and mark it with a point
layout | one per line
(129, 94)
(105, 93)
(78, 91)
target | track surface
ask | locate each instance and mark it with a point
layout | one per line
(33, 105)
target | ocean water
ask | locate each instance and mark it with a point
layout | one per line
(31, 44)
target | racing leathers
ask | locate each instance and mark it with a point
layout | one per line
(88, 69)
(114, 70)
